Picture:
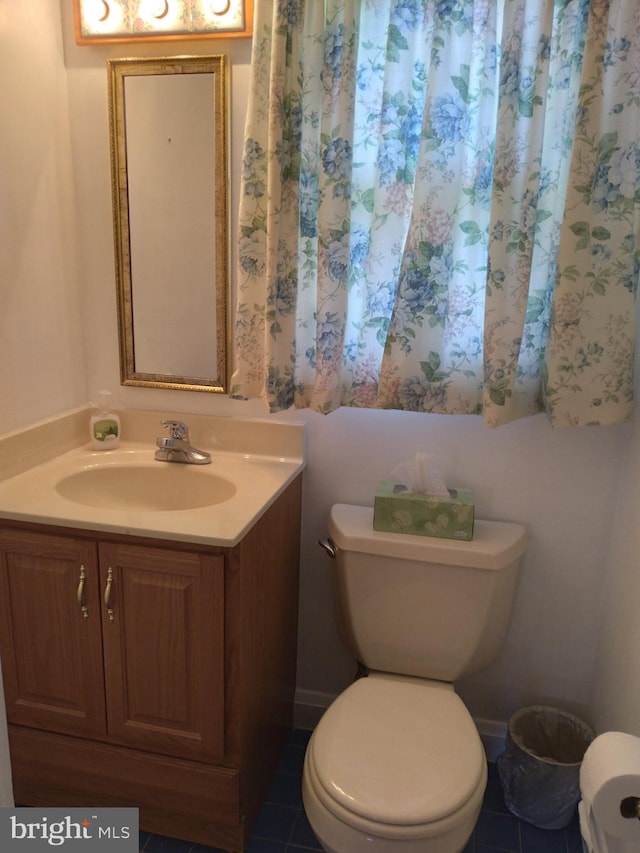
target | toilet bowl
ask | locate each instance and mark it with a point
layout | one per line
(395, 766)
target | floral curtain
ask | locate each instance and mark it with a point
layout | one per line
(440, 207)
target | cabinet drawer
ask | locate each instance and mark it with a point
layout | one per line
(50, 769)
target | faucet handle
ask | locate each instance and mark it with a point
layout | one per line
(177, 429)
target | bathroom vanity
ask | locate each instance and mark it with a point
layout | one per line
(149, 669)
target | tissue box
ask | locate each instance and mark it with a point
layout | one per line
(397, 510)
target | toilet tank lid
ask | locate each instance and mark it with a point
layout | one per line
(495, 544)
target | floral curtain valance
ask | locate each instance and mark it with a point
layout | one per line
(440, 207)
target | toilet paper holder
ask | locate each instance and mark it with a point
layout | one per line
(630, 807)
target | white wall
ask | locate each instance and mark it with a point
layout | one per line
(562, 484)
(42, 365)
(616, 680)
(616, 683)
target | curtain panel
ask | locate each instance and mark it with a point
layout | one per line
(440, 207)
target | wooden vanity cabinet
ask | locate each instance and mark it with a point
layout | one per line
(149, 673)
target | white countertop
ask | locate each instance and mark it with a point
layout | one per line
(258, 479)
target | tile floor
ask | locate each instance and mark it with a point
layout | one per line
(283, 827)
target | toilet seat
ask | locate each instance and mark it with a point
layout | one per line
(425, 765)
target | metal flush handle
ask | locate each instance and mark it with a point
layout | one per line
(329, 546)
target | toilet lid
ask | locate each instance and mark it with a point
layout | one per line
(398, 750)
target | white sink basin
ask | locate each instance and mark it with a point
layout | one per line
(169, 487)
(126, 491)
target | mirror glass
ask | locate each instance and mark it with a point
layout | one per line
(168, 120)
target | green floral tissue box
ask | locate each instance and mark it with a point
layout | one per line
(397, 510)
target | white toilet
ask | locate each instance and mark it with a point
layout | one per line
(396, 764)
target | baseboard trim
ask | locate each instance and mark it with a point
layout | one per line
(493, 735)
(310, 705)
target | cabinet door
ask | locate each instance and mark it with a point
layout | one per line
(163, 637)
(50, 632)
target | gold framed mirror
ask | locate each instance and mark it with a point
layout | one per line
(169, 167)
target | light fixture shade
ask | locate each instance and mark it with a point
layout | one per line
(153, 20)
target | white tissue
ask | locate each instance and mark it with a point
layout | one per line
(421, 475)
(610, 773)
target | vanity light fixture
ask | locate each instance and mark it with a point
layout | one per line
(154, 20)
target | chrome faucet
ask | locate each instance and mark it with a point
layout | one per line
(177, 447)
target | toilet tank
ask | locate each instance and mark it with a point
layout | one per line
(422, 606)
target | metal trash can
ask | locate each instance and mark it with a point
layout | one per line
(540, 768)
